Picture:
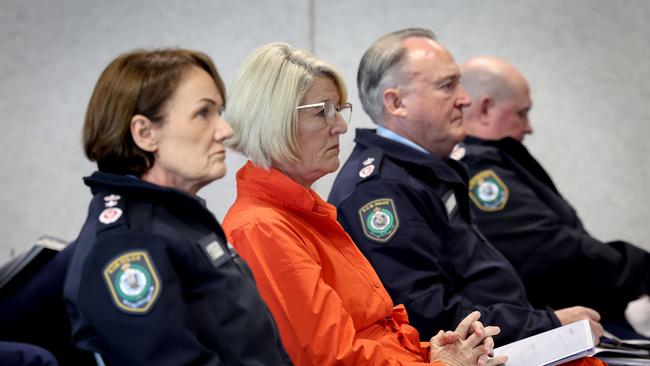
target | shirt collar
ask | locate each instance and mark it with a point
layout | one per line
(275, 186)
(391, 135)
(444, 168)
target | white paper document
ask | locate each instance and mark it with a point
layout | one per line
(563, 344)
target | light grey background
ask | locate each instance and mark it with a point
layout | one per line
(587, 63)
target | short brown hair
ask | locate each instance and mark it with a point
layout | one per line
(136, 82)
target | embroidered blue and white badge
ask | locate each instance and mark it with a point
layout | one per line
(487, 191)
(379, 219)
(133, 282)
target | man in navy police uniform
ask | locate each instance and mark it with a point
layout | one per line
(406, 206)
(519, 209)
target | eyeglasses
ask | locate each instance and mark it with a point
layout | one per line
(331, 110)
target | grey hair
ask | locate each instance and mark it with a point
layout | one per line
(380, 68)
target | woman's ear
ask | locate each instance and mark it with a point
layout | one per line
(143, 133)
(393, 103)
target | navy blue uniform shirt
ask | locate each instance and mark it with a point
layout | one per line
(154, 282)
(543, 237)
(408, 212)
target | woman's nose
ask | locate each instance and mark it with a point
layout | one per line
(223, 130)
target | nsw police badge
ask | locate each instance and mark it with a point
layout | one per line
(487, 191)
(379, 219)
(132, 282)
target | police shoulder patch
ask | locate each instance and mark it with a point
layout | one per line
(487, 191)
(379, 219)
(133, 282)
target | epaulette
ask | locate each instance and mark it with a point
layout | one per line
(370, 163)
(113, 213)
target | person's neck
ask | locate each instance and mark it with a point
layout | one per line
(162, 178)
(474, 129)
(291, 172)
(477, 136)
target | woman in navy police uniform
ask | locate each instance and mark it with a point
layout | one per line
(153, 280)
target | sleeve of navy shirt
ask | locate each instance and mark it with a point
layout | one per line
(158, 337)
(440, 282)
(541, 234)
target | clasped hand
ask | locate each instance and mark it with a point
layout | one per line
(470, 344)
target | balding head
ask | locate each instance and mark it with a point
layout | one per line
(500, 99)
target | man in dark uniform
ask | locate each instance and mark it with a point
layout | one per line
(406, 205)
(519, 209)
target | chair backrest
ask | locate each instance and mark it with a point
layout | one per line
(23, 267)
(32, 309)
(23, 354)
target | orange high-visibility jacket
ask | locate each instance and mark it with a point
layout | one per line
(327, 300)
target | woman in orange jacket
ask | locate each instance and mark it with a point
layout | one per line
(288, 109)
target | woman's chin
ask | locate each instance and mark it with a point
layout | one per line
(330, 169)
(332, 166)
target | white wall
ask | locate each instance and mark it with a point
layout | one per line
(587, 63)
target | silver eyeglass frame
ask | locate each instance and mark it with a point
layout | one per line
(338, 109)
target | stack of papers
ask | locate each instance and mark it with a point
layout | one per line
(556, 346)
(571, 342)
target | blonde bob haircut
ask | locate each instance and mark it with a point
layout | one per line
(269, 85)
